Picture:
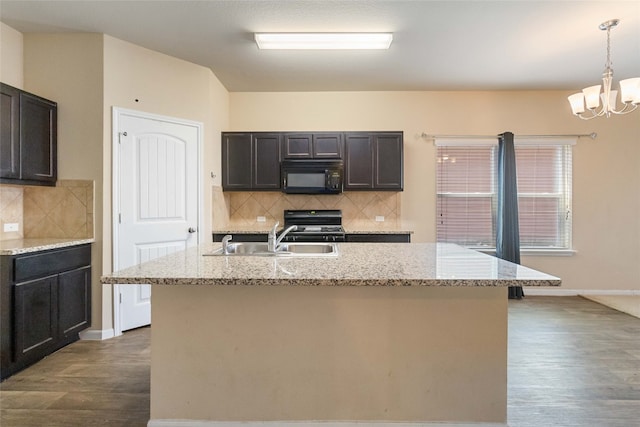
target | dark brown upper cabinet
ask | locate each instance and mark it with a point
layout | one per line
(9, 132)
(251, 161)
(373, 161)
(28, 138)
(316, 145)
(388, 169)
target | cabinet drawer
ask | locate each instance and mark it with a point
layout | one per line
(51, 262)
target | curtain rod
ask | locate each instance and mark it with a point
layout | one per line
(591, 135)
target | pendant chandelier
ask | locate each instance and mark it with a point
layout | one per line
(604, 103)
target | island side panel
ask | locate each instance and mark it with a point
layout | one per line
(246, 353)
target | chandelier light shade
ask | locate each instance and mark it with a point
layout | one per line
(600, 100)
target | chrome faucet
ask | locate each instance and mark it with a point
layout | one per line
(274, 241)
(225, 244)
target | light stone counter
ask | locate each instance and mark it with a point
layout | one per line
(24, 246)
(358, 264)
(384, 333)
(245, 230)
(348, 230)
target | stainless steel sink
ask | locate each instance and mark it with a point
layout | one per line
(244, 248)
(310, 249)
(247, 248)
(284, 250)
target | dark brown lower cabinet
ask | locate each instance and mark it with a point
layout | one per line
(243, 237)
(46, 302)
(378, 238)
(36, 318)
(349, 238)
(74, 302)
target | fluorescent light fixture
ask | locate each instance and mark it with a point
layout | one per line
(323, 40)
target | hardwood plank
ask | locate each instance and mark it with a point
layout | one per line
(572, 363)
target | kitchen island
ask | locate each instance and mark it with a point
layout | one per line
(410, 333)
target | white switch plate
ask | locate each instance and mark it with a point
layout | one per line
(380, 218)
(11, 226)
(261, 219)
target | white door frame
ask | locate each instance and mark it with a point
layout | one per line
(115, 192)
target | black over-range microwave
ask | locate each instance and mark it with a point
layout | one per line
(312, 176)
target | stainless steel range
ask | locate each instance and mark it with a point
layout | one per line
(314, 226)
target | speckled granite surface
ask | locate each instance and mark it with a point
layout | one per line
(242, 231)
(358, 264)
(254, 230)
(24, 246)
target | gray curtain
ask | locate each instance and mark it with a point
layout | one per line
(507, 231)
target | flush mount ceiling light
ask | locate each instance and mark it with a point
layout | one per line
(323, 40)
(629, 90)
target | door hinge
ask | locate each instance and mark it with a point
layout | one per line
(120, 295)
(119, 218)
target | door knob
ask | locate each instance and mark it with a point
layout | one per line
(191, 230)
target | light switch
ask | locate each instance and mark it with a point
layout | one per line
(380, 218)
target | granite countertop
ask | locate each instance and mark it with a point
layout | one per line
(265, 230)
(25, 246)
(244, 230)
(358, 264)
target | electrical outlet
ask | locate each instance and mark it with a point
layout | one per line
(261, 219)
(380, 218)
(11, 226)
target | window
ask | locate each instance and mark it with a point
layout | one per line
(467, 201)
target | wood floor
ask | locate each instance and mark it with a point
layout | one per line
(572, 363)
(88, 383)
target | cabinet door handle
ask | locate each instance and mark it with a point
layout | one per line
(191, 230)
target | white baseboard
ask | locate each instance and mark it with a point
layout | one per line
(199, 423)
(96, 334)
(574, 292)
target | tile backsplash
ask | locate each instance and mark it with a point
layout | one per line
(63, 211)
(11, 199)
(359, 209)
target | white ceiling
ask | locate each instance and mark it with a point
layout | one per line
(438, 45)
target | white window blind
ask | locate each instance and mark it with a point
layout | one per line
(466, 192)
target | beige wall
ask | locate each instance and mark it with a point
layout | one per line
(606, 172)
(305, 353)
(11, 53)
(88, 74)
(67, 68)
(140, 79)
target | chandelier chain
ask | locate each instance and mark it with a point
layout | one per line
(608, 64)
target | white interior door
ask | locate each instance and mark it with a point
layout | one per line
(158, 200)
